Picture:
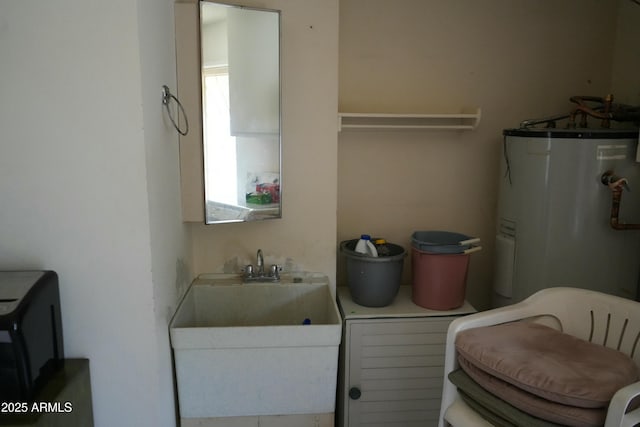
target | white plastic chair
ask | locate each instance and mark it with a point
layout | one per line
(593, 316)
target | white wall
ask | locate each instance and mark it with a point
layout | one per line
(216, 53)
(170, 255)
(89, 187)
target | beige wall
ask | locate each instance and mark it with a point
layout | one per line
(305, 237)
(514, 59)
(626, 69)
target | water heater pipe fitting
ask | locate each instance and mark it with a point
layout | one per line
(616, 185)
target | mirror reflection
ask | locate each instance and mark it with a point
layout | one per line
(240, 58)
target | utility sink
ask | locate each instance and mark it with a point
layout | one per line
(256, 348)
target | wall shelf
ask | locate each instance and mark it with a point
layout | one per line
(373, 121)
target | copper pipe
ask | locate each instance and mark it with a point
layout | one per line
(583, 119)
(605, 111)
(592, 98)
(608, 100)
(591, 112)
(581, 100)
(615, 212)
(585, 110)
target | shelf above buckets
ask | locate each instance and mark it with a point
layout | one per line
(440, 261)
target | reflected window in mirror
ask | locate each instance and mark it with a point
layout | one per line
(240, 72)
(220, 150)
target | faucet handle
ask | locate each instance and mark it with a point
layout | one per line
(248, 270)
(274, 271)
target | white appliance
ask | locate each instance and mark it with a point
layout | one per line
(554, 211)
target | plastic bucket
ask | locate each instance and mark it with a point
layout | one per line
(439, 280)
(373, 282)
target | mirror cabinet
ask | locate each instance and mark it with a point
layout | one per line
(229, 76)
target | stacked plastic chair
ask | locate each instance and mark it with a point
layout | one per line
(564, 356)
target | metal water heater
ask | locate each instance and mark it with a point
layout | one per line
(555, 213)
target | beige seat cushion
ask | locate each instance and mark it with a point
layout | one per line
(548, 363)
(532, 404)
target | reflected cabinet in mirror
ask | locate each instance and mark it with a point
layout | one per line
(240, 64)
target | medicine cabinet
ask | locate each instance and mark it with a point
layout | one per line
(228, 66)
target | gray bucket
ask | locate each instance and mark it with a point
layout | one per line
(373, 282)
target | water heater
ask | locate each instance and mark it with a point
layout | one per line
(554, 213)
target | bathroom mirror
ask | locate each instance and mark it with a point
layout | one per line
(240, 65)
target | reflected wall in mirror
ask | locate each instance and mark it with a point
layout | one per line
(240, 64)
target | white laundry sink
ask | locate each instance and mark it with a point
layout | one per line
(244, 349)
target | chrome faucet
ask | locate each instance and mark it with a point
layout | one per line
(259, 274)
(260, 262)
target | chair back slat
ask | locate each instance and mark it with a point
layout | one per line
(596, 317)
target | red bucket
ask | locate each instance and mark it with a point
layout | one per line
(439, 280)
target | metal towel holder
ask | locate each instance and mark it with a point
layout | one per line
(167, 96)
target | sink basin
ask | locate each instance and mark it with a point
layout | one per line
(244, 348)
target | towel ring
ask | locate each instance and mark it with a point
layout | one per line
(167, 96)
